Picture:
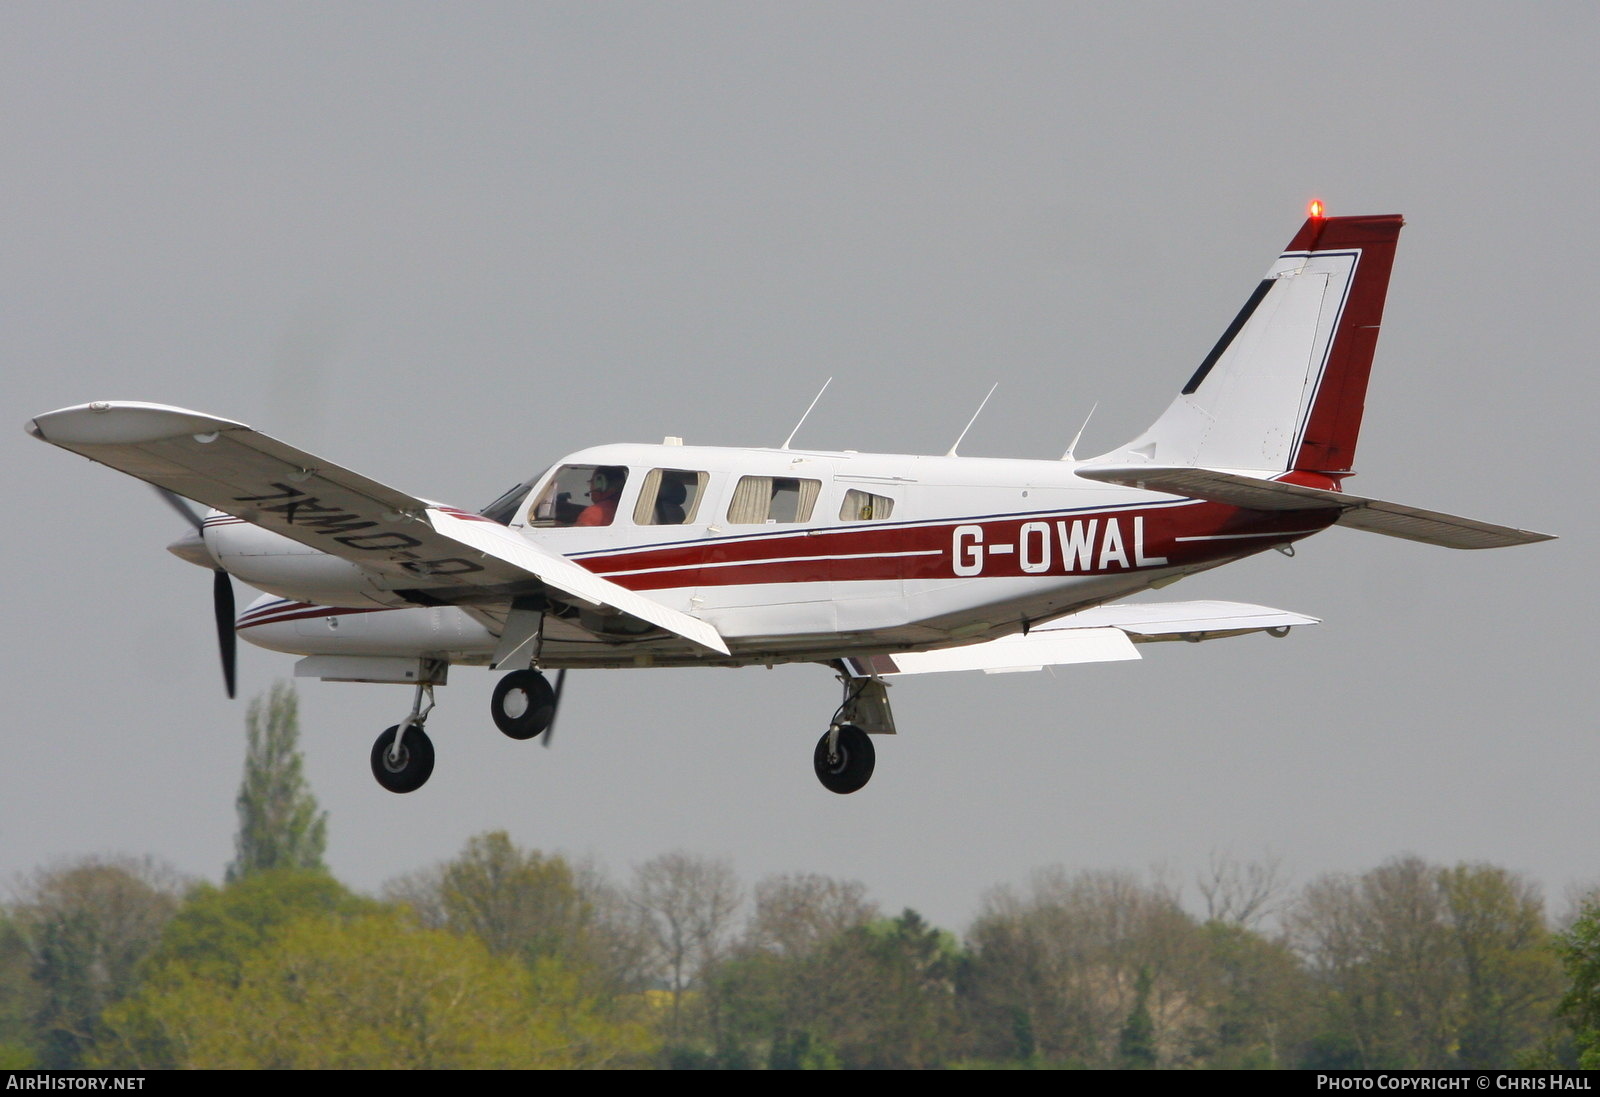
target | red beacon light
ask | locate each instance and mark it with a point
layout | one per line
(1314, 211)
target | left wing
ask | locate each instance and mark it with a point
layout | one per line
(431, 553)
(1101, 634)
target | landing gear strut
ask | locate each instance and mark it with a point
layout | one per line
(402, 758)
(845, 757)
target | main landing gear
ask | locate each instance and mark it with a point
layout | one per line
(402, 758)
(845, 757)
(524, 704)
(523, 707)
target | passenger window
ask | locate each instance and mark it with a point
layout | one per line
(761, 500)
(580, 495)
(862, 506)
(669, 497)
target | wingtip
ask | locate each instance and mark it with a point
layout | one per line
(122, 422)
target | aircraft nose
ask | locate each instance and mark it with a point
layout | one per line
(192, 548)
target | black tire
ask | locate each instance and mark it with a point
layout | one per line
(851, 766)
(411, 770)
(523, 704)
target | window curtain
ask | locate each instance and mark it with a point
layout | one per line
(809, 490)
(751, 499)
(644, 511)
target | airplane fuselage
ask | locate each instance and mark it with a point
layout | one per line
(791, 555)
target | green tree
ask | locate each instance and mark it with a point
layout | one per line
(19, 998)
(1258, 1000)
(216, 927)
(85, 929)
(1055, 971)
(279, 824)
(373, 990)
(1510, 978)
(877, 994)
(207, 944)
(1379, 947)
(530, 905)
(1137, 1044)
(1579, 950)
(518, 902)
(1427, 967)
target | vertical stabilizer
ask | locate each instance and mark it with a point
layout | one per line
(1285, 386)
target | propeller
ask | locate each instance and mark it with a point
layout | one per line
(555, 707)
(221, 597)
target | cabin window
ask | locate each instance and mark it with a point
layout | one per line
(580, 495)
(759, 500)
(863, 506)
(669, 497)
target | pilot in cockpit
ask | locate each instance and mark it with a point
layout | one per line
(605, 488)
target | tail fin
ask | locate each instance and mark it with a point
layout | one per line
(1285, 386)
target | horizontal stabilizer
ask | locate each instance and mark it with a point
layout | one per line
(410, 544)
(1356, 511)
(1098, 635)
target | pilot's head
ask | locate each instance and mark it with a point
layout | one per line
(606, 482)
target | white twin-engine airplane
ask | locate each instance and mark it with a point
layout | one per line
(872, 564)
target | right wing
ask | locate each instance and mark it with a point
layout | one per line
(433, 554)
(1101, 634)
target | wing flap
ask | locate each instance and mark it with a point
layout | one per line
(1101, 634)
(1356, 511)
(410, 543)
(1149, 622)
(1033, 651)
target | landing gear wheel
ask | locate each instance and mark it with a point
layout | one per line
(411, 769)
(850, 765)
(523, 704)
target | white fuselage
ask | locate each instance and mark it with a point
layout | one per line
(790, 555)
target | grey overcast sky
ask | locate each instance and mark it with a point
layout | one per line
(446, 244)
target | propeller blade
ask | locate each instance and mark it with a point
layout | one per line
(555, 707)
(227, 639)
(221, 593)
(179, 504)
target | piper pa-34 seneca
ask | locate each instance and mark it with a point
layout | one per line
(872, 564)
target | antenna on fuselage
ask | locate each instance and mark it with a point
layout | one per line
(813, 404)
(973, 420)
(1067, 456)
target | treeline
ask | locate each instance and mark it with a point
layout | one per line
(507, 957)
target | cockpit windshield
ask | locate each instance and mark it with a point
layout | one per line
(504, 509)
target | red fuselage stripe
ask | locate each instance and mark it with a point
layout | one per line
(1046, 544)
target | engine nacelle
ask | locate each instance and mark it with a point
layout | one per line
(271, 562)
(440, 632)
